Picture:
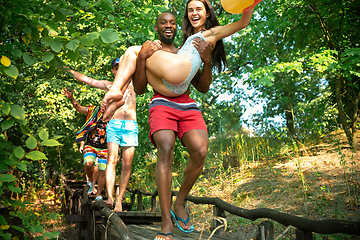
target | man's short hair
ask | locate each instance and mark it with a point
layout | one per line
(161, 14)
(115, 62)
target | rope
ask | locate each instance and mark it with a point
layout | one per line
(107, 224)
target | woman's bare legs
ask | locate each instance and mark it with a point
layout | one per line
(171, 67)
(112, 99)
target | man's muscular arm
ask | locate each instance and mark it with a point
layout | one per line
(139, 77)
(203, 79)
(101, 84)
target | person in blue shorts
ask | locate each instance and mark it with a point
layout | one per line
(92, 139)
(122, 131)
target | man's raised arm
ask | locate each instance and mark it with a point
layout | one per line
(101, 84)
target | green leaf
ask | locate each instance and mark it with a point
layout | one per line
(53, 25)
(75, 34)
(31, 142)
(73, 44)
(21, 121)
(5, 125)
(21, 215)
(27, 30)
(39, 228)
(84, 52)
(55, 234)
(17, 112)
(64, 11)
(2, 220)
(85, 41)
(56, 46)
(50, 143)
(47, 41)
(43, 134)
(50, 73)
(7, 236)
(6, 108)
(14, 189)
(19, 152)
(9, 161)
(36, 155)
(16, 53)
(109, 35)
(20, 229)
(28, 59)
(11, 71)
(47, 234)
(7, 178)
(21, 166)
(48, 57)
(52, 215)
(83, 3)
(93, 35)
(25, 129)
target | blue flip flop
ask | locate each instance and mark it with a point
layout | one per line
(165, 234)
(182, 220)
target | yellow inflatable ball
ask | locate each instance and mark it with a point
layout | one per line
(238, 6)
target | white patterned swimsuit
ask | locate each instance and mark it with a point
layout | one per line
(192, 53)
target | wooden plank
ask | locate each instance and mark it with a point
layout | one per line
(150, 231)
(76, 218)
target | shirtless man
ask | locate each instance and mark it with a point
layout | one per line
(122, 130)
(175, 117)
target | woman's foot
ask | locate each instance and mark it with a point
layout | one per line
(112, 101)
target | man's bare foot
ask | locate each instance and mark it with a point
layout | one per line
(94, 191)
(110, 202)
(118, 206)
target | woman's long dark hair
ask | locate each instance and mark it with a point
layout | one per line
(218, 57)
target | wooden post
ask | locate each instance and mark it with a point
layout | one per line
(303, 235)
(153, 201)
(265, 231)
(139, 200)
(218, 212)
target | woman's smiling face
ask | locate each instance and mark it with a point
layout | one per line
(197, 15)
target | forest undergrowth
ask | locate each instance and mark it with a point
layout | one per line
(319, 181)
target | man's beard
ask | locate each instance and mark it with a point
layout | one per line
(166, 39)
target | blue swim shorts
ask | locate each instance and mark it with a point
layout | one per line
(123, 132)
(91, 153)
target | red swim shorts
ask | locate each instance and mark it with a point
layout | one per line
(179, 114)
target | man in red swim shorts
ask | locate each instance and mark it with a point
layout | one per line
(171, 117)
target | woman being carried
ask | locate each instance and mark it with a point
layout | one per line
(170, 74)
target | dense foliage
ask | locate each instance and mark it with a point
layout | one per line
(301, 57)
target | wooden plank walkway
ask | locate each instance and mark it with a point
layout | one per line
(148, 232)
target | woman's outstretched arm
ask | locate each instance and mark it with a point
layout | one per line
(219, 32)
